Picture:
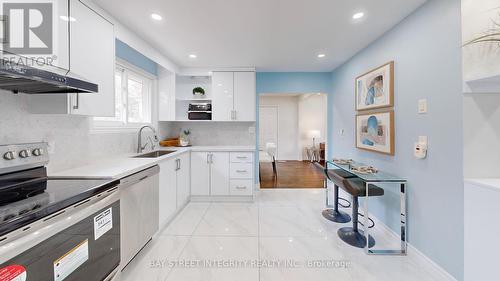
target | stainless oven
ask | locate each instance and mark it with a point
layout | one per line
(55, 229)
(200, 111)
(81, 242)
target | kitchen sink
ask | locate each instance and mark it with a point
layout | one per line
(154, 154)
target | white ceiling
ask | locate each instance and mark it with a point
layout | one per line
(272, 35)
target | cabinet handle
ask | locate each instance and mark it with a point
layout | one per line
(211, 158)
(177, 164)
(208, 158)
(235, 116)
(241, 157)
(241, 171)
(77, 103)
(241, 187)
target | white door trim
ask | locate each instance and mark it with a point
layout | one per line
(277, 125)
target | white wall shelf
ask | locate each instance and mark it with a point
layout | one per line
(489, 84)
(184, 86)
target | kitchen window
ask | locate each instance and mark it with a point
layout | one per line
(133, 95)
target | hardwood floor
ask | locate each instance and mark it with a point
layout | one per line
(291, 174)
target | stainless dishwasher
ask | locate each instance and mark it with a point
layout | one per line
(139, 211)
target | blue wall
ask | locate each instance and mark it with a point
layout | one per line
(426, 48)
(292, 83)
(132, 56)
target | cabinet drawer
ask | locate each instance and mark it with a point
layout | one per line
(241, 187)
(241, 157)
(241, 170)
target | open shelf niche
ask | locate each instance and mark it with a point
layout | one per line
(184, 85)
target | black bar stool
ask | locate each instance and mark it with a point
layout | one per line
(352, 235)
(337, 176)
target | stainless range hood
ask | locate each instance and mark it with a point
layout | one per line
(21, 78)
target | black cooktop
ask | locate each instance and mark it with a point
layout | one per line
(30, 195)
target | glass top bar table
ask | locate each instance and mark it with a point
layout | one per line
(378, 178)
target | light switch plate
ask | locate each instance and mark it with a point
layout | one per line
(51, 147)
(422, 106)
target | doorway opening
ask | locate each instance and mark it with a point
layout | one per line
(292, 140)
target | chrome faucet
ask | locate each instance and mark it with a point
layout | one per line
(140, 147)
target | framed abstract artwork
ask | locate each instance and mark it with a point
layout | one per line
(375, 89)
(375, 132)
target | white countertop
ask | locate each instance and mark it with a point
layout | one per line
(121, 166)
(490, 183)
(235, 148)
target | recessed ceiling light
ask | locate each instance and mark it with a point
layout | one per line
(192, 56)
(156, 17)
(357, 16)
(321, 55)
(65, 18)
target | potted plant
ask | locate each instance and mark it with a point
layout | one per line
(199, 92)
(184, 137)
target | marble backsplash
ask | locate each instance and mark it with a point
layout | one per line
(212, 133)
(73, 144)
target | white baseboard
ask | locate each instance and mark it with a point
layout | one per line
(222, 198)
(412, 251)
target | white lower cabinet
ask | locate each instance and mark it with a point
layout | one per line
(183, 179)
(481, 229)
(168, 191)
(241, 170)
(213, 174)
(174, 189)
(241, 187)
(200, 173)
(219, 173)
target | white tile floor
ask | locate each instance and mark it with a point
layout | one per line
(281, 225)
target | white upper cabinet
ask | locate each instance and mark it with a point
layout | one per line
(234, 96)
(223, 92)
(61, 35)
(92, 56)
(166, 95)
(245, 96)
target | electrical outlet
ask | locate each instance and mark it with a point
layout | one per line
(422, 106)
(51, 147)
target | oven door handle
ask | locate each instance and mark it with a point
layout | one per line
(25, 238)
